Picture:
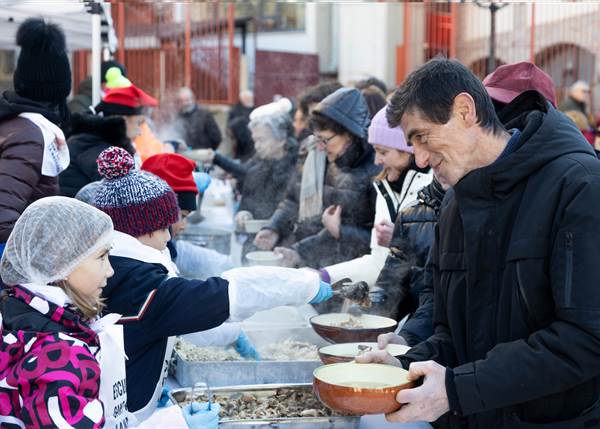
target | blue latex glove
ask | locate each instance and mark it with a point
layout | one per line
(325, 293)
(198, 416)
(164, 398)
(245, 348)
(202, 181)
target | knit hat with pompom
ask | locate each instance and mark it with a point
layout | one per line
(137, 202)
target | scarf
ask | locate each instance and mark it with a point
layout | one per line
(311, 186)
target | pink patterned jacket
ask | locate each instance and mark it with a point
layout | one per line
(49, 375)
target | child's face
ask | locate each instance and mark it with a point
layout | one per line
(157, 240)
(90, 275)
(176, 228)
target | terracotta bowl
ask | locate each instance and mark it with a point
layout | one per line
(328, 327)
(266, 258)
(354, 388)
(346, 352)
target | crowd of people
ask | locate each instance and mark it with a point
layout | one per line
(467, 207)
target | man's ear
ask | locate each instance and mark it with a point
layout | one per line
(463, 108)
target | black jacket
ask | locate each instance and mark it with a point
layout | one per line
(349, 186)
(515, 269)
(402, 284)
(199, 129)
(91, 134)
(155, 307)
(262, 182)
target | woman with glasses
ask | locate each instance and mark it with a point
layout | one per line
(328, 214)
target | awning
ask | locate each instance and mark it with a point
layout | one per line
(71, 15)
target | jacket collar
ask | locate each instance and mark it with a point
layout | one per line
(544, 138)
(67, 316)
(126, 246)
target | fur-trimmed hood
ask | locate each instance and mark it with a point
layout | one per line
(110, 128)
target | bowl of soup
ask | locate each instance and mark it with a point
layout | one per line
(354, 388)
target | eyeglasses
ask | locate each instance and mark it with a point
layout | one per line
(323, 140)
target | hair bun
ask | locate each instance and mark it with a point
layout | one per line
(114, 163)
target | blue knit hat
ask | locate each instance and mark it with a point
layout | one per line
(137, 202)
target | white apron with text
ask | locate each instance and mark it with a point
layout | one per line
(113, 387)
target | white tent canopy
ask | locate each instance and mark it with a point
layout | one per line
(69, 14)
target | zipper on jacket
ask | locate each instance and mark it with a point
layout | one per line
(523, 297)
(568, 267)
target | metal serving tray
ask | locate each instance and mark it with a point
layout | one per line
(182, 396)
(230, 373)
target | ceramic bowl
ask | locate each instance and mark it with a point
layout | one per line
(253, 226)
(354, 388)
(261, 257)
(346, 352)
(367, 329)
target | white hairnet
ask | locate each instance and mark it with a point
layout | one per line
(51, 238)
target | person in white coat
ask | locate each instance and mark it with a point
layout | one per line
(397, 187)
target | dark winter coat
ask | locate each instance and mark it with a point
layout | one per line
(44, 356)
(199, 129)
(515, 269)
(349, 186)
(155, 307)
(83, 100)
(571, 104)
(239, 111)
(262, 182)
(90, 135)
(401, 285)
(21, 155)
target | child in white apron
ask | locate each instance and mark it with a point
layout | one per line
(60, 365)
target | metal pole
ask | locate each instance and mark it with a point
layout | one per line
(532, 35)
(96, 57)
(491, 65)
(121, 31)
(230, 69)
(187, 71)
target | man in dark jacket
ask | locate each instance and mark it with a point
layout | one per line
(327, 216)
(577, 98)
(514, 262)
(402, 285)
(197, 125)
(29, 120)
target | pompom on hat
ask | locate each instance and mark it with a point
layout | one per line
(177, 171)
(137, 202)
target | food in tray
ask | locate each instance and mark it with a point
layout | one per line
(271, 404)
(288, 350)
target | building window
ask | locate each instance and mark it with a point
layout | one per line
(273, 16)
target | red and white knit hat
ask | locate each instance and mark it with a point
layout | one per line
(137, 202)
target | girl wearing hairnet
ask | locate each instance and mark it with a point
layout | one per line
(155, 303)
(61, 365)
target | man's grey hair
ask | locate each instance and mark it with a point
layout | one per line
(580, 84)
(184, 90)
